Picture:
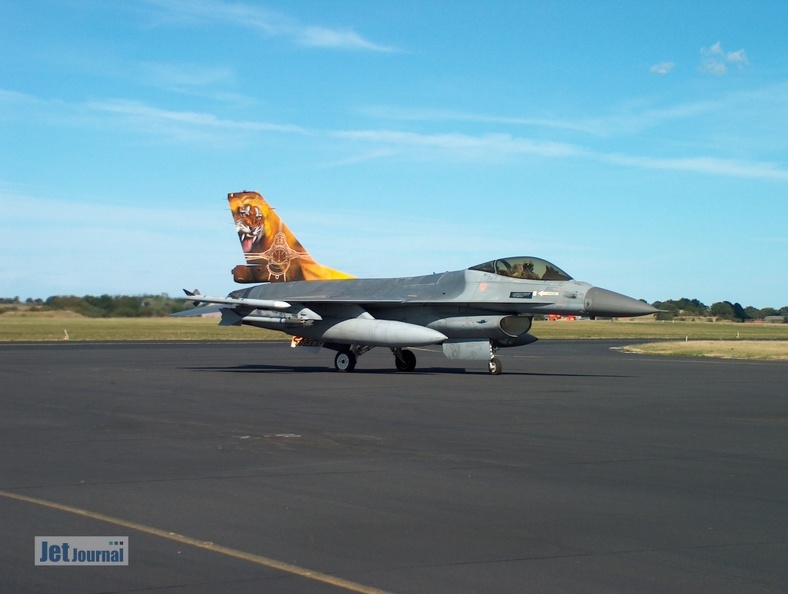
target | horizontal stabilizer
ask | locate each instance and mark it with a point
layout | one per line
(194, 293)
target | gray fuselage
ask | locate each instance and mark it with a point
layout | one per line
(462, 304)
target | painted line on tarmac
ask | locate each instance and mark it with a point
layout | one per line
(202, 544)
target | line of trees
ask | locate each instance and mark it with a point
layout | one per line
(725, 310)
(103, 306)
(138, 306)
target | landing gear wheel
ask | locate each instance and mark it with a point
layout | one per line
(495, 366)
(406, 361)
(345, 361)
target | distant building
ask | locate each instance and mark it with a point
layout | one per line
(774, 319)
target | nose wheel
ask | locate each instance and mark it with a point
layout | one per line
(494, 365)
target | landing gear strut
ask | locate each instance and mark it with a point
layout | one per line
(404, 359)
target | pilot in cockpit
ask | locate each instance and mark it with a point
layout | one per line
(528, 271)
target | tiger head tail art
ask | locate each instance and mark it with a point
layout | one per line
(271, 250)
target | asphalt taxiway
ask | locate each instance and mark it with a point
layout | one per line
(253, 467)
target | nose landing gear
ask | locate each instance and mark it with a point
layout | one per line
(494, 365)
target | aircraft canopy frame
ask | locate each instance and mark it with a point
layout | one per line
(524, 267)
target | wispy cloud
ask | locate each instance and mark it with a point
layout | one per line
(179, 76)
(311, 36)
(500, 145)
(462, 144)
(447, 115)
(715, 60)
(195, 80)
(615, 124)
(265, 22)
(662, 68)
(184, 126)
(707, 165)
(371, 143)
(7, 96)
(138, 118)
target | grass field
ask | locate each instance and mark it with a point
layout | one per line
(652, 330)
(765, 350)
(34, 328)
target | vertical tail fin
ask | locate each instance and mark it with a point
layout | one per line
(272, 251)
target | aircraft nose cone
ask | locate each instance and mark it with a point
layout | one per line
(601, 302)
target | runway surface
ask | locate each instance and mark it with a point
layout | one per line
(579, 469)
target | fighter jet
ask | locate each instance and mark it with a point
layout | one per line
(470, 313)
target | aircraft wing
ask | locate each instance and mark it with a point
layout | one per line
(196, 298)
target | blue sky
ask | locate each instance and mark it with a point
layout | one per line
(640, 146)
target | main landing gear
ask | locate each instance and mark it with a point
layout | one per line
(346, 359)
(404, 359)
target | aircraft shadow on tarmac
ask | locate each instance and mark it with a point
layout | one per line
(321, 369)
(258, 368)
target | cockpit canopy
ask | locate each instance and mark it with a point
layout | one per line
(524, 267)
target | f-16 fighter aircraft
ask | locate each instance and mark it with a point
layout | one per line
(470, 313)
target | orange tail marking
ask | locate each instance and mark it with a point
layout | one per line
(272, 251)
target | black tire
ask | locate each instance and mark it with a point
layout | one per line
(345, 361)
(406, 361)
(494, 366)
